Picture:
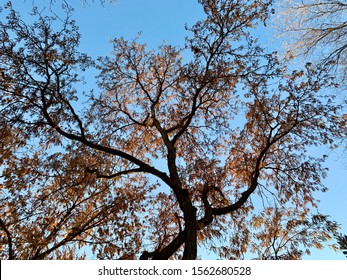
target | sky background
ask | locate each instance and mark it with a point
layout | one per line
(163, 20)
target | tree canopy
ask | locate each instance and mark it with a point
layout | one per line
(168, 155)
(317, 29)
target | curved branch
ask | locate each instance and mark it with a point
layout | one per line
(9, 238)
(168, 251)
(208, 217)
(142, 165)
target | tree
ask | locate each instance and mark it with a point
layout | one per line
(279, 233)
(169, 155)
(318, 29)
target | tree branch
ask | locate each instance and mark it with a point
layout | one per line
(9, 239)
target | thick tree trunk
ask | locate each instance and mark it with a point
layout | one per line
(190, 244)
(187, 237)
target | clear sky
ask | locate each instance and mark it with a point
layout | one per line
(161, 20)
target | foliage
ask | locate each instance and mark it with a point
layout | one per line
(317, 28)
(169, 155)
(342, 242)
(280, 232)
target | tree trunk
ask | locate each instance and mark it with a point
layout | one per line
(190, 244)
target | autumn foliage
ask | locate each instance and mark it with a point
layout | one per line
(168, 155)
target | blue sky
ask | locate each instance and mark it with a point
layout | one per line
(160, 21)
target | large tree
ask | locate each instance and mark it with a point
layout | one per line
(169, 154)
